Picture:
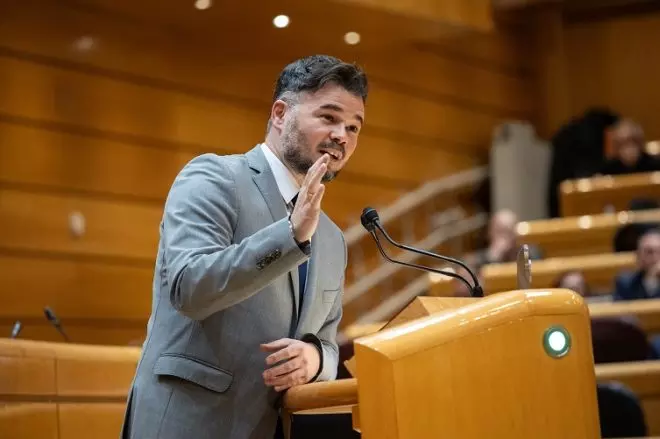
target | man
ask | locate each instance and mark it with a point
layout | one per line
(630, 156)
(249, 276)
(645, 282)
(502, 241)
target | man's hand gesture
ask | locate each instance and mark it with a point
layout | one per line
(292, 363)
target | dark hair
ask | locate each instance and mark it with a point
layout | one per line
(313, 72)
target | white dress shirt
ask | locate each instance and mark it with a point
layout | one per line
(284, 178)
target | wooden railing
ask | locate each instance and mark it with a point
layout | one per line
(580, 235)
(438, 216)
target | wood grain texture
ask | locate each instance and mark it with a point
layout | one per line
(580, 235)
(403, 372)
(608, 64)
(78, 419)
(599, 271)
(39, 222)
(75, 289)
(21, 420)
(643, 378)
(606, 193)
(103, 130)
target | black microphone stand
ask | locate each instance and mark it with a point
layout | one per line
(419, 267)
(477, 291)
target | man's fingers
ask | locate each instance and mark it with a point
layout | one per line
(317, 175)
(283, 382)
(324, 159)
(284, 368)
(318, 196)
(283, 354)
(276, 345)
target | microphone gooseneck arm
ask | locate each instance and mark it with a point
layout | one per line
(419, 267)
(432, 255)
(52, 318)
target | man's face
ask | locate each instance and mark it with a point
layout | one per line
(327, 121)
(648, 251)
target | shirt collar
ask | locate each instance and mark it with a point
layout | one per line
(284, 178)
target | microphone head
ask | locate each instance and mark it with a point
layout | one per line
(369, 218)
(50, 315)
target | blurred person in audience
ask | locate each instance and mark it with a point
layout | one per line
(630, 155)
(645, 282)
(627, 236)
(573, 280)
(503, 243)
(248, 283)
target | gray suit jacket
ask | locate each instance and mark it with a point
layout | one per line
(226, 280)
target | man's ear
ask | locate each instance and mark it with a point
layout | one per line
(277, 113)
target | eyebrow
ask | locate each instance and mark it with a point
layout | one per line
(337, 108)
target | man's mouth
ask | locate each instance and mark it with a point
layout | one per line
(333, 153)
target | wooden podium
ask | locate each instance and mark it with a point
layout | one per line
(512, 365)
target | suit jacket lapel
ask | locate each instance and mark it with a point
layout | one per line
(265, 181)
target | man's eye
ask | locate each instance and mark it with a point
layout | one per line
(329, 117)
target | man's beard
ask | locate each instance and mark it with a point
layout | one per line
(294, 144)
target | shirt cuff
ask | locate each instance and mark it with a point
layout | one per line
(314, 340)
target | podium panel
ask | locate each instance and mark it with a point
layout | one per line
(514, 365)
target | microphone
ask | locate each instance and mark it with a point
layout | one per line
(52, 318)
(370, 221)
(16, 329)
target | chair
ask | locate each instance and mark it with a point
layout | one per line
(618, 340)
(620, 412)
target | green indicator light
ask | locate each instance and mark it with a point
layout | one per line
(556, 341)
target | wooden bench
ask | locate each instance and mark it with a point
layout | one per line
(647, 311)
(589, 234)
(599, 194)
(63, 391)
(599, 271)
(643, 378)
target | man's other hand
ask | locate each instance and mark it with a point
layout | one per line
(292, 363)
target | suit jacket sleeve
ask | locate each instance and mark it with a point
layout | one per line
(621, 287)
(205, 270)
(326, 339)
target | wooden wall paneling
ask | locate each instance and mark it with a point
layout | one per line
(37, 156)
(77, 420)
(609, 64)
(446, 76)
(21, 420)
(46, 155)
(75, 288)
(42, 91)
(88, 331)
(99, 166)
(39, 222)
(106, 377)
(419, 117)
(451, 80)
(30, 376)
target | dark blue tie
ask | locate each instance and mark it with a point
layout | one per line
(302, 268)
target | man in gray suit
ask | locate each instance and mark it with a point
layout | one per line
(247, 292)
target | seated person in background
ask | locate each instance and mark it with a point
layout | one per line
(627, 235)
(645, 282)
(573, 280)
(503, 244)
(630, 156)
